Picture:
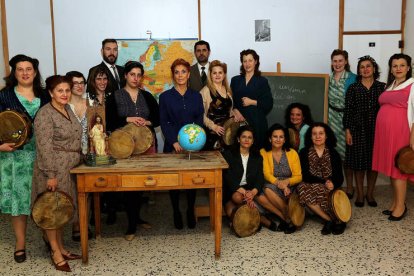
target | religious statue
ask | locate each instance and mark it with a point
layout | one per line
(98, 137)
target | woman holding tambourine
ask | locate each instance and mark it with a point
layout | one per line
(23, 94)
(58, 146)
(138, 107)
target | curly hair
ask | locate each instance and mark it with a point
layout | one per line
(306, 113)
(255, 57)
(330, 136)
(374, 65)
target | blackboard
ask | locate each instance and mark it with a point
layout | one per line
(309, 89)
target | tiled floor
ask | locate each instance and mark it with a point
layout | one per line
(371, 245)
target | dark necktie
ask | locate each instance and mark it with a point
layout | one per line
(115, 74)
(203, 75)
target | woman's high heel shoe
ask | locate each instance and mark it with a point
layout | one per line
(394, 218)
(62, 265)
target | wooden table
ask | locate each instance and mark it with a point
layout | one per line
(152, 173)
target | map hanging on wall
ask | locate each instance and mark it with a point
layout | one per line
(156, 56)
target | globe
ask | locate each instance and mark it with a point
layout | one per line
(192, 137)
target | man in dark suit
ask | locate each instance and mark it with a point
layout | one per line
(114, 72)
(199, 71)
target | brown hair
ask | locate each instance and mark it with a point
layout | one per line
(55, 80)
(255, 57)
(339, 52)
(179, 61)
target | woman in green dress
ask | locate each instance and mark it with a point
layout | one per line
(339, 81)
(23, 93)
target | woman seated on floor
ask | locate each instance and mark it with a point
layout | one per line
(281, 169)
(321, 173)
(243, 180)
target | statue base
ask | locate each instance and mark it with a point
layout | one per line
(94, 160)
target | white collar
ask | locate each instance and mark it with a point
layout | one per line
(401, 85)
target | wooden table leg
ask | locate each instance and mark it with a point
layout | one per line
(218, 214)
(211, 209)
(83, 224)
(97, 211)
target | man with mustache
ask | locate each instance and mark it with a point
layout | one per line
(199, 71)
(114, 72)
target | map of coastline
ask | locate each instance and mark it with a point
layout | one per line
(156, 56)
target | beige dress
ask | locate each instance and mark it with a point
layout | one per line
(58, 146)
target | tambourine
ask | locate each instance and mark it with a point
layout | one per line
(15, 127)
(230, 130)
(121, 144)
(340, 205)
(404, 160)
(142, 135)
(245, 221)
(52, 210)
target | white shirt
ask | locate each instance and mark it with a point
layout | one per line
(205, 67)
(110, 68)
(245, 159)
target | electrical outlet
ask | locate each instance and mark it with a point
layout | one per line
(371, 44)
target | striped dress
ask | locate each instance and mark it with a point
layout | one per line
(336, 104)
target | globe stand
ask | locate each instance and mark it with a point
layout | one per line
(194, 156)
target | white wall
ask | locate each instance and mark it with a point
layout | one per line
(303, 33)
(2, 68)
(30, 31)
(80, 26)
(409, 29)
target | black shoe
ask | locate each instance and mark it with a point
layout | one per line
(143, 224)
(290, 228)
(111, 219)
(350, 195)
(359, 204)
(338, 228)
(393, 218)
(372, 203)
(282, 226)
(327, 228)
(178, 221)
(387, 212)
(191, 222)
(20, 258)
(272, 226)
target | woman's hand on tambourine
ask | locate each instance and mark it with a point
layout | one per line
(219, 130)
(7, 147)
(51, 184)
(139, 121)
(177, 147)
(348, 137)
(238, 117)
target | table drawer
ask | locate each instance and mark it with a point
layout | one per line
(198, 178)
(97, 181)
(150, 180)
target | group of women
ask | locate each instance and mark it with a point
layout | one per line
(263, 180)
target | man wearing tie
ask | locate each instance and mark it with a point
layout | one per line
(115, 73)
(199, 71)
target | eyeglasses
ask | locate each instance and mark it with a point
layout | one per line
(78, 83)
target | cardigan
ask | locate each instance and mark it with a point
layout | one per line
(233, 175)
(294, 165)
(337, 177)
